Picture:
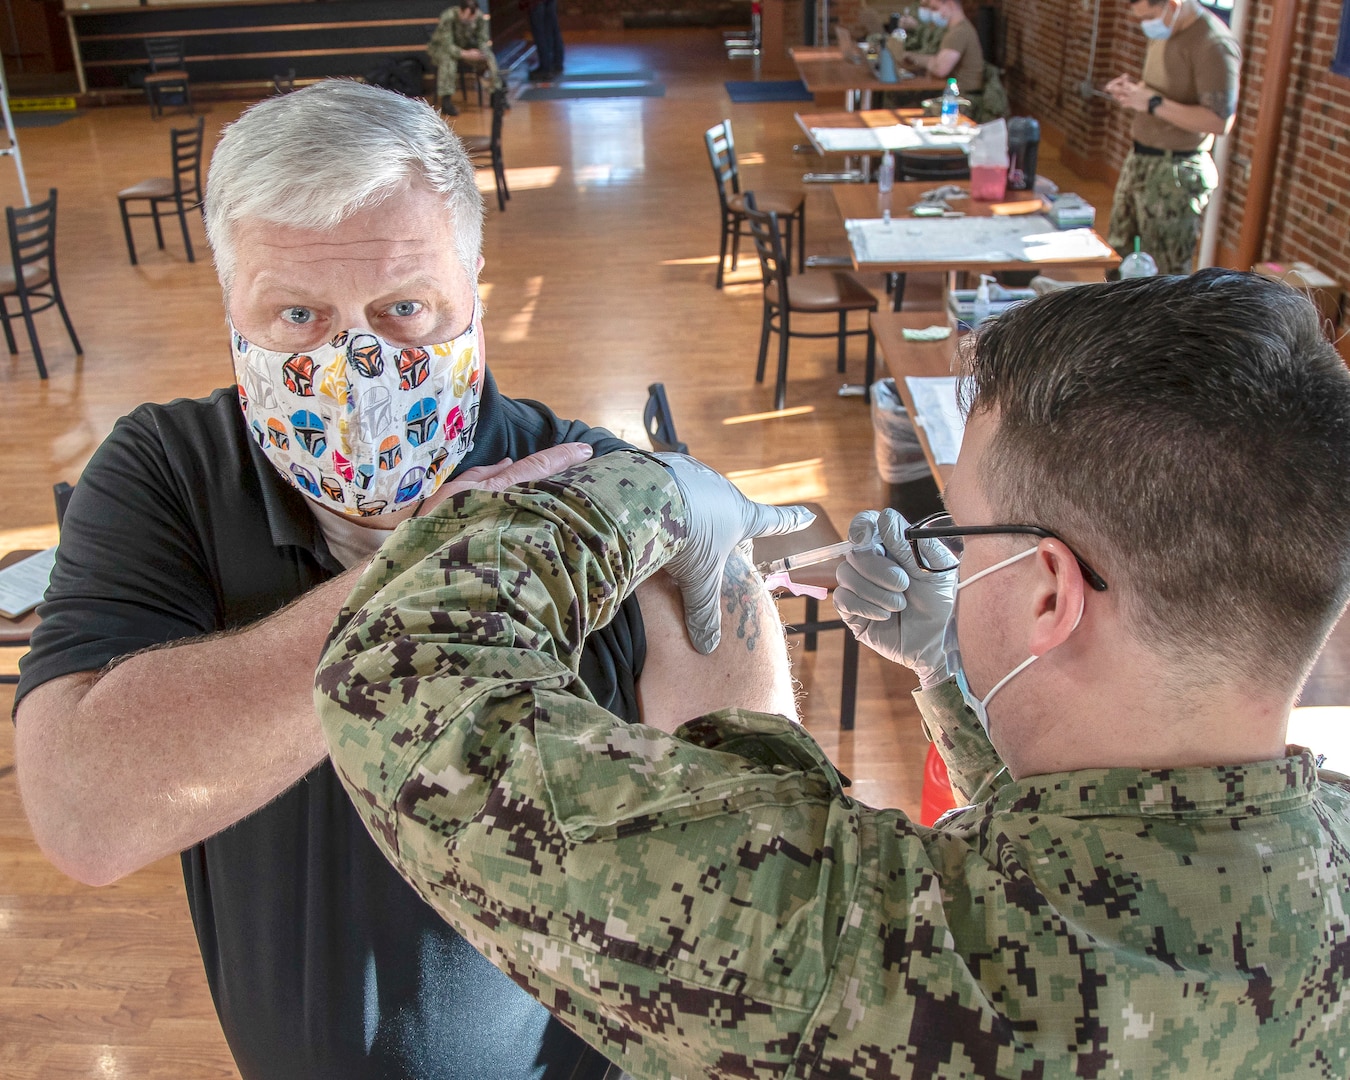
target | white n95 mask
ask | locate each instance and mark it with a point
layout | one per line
(361, 425)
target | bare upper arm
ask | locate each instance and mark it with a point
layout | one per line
(749, 668)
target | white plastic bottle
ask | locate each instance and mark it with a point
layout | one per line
(886, 174)
(982, 302)
(951, 104)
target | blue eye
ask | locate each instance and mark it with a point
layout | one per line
(404, 308)
(298, 316)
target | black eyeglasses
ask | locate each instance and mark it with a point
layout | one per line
(951, 536)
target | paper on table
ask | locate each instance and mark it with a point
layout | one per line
(936, 411)
(1069, 244)
(23, 583)
(892, 137)
(1029, 238)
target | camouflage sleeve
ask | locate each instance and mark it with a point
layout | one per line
(642, 886)
(973, 765)
(482, 32)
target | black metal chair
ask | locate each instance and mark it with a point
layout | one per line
(931, 165)
(790, 206)
(815, 292)
(659, 422)
(485, 152)
(178, 193)
(660, 425)
(31, 274)
(166, 83)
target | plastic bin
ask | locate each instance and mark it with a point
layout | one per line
(899, 456)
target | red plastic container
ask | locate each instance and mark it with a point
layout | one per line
(937, 797)
(988, 183)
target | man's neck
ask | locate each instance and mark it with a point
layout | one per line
(1133, 713)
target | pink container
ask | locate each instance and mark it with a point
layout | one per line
(988, 183)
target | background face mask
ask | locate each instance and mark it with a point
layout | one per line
(1155, 29)
(359, 424)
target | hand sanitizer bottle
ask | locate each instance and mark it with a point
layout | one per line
(982, 304)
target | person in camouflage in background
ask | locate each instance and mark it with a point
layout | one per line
(1146, 883)
(463, 33)
(1187, 96)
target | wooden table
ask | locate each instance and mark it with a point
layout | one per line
(14, 633)
(864, 201)
(825, 71)
(922, 359)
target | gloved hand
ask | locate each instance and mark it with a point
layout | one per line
(888, 603)
(719, 518)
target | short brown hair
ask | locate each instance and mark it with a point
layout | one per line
(1190, 437)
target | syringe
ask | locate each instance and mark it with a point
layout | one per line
(810, 557)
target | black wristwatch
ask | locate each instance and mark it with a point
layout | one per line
(1153, 103)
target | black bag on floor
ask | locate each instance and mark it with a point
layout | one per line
(403, 75)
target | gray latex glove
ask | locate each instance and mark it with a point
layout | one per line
(888, 603)
(719, 518)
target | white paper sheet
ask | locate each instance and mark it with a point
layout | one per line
(937, 413)
(1018, 238)
(893, 137)
(22, 585)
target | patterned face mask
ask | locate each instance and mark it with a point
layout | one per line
(360, 425)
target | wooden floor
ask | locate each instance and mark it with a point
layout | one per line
(599, 280)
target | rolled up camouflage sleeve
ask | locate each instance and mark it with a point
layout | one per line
(643, 886)
(973, 765)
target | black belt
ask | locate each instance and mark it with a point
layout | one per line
(1153, 151)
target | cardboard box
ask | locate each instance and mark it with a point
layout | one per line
(1324, 291)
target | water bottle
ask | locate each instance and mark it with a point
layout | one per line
(886, 176)
(951, 105)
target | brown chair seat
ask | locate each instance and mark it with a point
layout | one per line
(828, 290)
(158, 187)
(33, 276)
(783, 203)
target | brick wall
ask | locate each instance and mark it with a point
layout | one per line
(1047, 50)
(1310, 205)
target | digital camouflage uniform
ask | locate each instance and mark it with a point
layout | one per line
(1162, 201)
(450, 39)
(713, 903)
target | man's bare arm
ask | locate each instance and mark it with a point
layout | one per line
(171, 745)
(120, 768)
(748, 669)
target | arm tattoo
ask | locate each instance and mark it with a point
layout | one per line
(743, 600)
(1222, 103)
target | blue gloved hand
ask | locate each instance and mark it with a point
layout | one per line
(889, 604)
(719, 518)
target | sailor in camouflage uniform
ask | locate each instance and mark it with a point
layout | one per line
(1146, 883)
(463, 33)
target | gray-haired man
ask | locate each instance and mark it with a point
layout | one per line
(166, 704)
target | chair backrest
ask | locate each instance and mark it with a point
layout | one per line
(62, 492)
(187, 159)
(722, 156)
(774, 265)
(284, 83)
(926, 165)
(165, 53)
(32, 238)
(659, 423)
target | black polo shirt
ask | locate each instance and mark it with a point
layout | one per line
(322, 961)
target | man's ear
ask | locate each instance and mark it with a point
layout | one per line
(1060, 594)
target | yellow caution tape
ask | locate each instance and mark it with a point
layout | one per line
(42, 104)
